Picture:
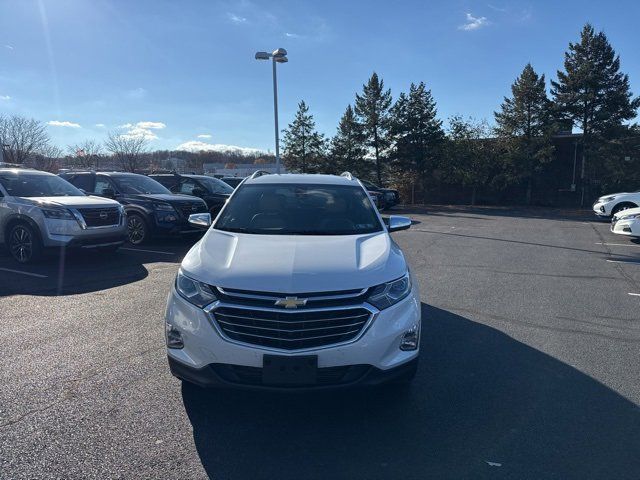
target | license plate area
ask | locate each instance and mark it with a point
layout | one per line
(283, 370)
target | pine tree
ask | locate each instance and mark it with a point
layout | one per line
(372, 109)
(592, 93)
(303, 146)
(524, 123)
(348, 151)
(416, 131)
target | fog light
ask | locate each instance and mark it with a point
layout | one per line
(174, 337)
(410, 339)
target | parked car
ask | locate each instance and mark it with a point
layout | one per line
(297, 284)
(626, 222)
(152, 209)
(232, 181)
(212, 190)
(39, 210)
(609, 205)
(391, 196)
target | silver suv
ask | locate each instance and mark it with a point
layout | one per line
(40, 210)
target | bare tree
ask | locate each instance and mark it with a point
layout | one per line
(47, 159)
(85, 154)
(126, 149)
(25, 138)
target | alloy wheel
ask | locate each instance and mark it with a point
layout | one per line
(136, 229)
(21, 244)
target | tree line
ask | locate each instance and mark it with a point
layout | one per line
(404, 143)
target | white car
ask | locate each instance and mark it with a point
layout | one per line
(627, 222)
(609, 205)
(298, 284)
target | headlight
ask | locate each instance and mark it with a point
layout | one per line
(608, 199)
(387, 294)
(57, 213)
(163, 207)
(197, 293)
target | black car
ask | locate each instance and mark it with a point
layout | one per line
(232, 181)
(213, 191)
(151, 208)
(390, 196)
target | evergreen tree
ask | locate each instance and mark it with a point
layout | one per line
(524, 123)
(303, 146)
(348, 151)
(416, 131)
(592, 93)
(372, 109)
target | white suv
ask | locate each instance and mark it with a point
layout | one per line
(297, 284)
(609, 205)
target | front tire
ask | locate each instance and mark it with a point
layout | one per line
(137, 229)
(622, 206)
(24, 243)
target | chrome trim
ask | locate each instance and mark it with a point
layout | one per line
(211, 308)
(83, 225)
(299, 295)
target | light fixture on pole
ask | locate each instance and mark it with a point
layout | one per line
(277, 56)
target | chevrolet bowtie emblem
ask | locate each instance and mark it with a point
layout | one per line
(291, 302)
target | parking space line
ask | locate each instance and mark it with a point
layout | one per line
(618, 244)
(147, 251)
(635, 294)
(38, 275)
(624, 261)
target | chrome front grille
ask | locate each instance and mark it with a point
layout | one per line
(297, 329)
(100, 217)
(192, 207)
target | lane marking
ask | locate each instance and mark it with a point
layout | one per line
(635, 294)
(618, 244)
(37, 275)
(147, 251)
(631, 262)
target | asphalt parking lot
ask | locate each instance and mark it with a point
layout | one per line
(530, 367)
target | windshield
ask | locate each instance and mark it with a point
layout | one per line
(37, 185)
(216, 186)
(284, 209)
(138, 184)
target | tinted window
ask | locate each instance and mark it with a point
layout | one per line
(166, 180)
(102, 184)
(284, 209)
(37, 185)
(137, 184)
(216, 186)
(83, 181)
(187, 187)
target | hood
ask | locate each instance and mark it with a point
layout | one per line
(627, 213)
(614, 195)
(294, 263)
(166, 197)
(79, 201)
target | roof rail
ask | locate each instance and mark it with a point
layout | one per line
(347, 175)
(14, 165)
(258, 173)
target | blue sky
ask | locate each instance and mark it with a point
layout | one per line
(183, 71)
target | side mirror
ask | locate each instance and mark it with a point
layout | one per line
(397, 223)
(108, 192)
(200, 220)
(198, 192)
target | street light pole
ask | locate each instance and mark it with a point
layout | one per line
(275, 113)
(277, 56)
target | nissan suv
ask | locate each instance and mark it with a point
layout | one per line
(297, 284)
(39, 210)
(152, 209)
(213, 191)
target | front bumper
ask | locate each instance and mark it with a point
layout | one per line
(64, 233)
(602, 209)
(630, 227)
(378, 348)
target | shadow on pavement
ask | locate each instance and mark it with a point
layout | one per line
(480, 396)
(74, 272)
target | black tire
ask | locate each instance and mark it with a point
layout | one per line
(24, 243)
(137, 229)
(622, 206)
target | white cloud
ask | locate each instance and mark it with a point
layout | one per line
(204, 135)
(136, 93)
(151, 125)
(58, 123)
(195, 146)
(292, 35)
(100, 125)
(474, 23)
(8, 47)
(5, 97)
(142, 129)
(236, 18)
